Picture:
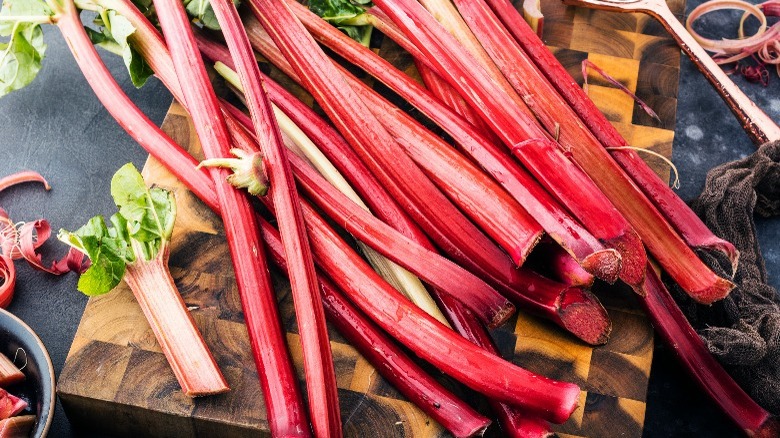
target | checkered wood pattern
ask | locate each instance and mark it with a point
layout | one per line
(116, 379)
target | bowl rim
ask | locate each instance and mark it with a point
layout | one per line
(52, 397)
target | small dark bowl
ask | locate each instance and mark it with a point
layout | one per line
(39, 384)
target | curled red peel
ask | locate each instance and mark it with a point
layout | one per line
(32, 235)
(8, 278)
(23, 177)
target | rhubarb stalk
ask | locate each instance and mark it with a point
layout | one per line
(690, 226)
(282, 397)
(136, 249)
(317, 357)
(9, 372)
(556, 222)
(390, 360)
(514, 124)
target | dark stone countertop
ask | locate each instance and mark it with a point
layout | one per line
(57, 127)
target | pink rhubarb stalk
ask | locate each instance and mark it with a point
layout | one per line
(317, 356)
(390, 360)
(23, 177)
(282, 397)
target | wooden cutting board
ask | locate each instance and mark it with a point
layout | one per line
(116, 379)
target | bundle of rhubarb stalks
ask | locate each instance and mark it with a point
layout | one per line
(531, 196)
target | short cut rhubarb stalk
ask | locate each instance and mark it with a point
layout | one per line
(10, 405)
(16, 427)
(518, 129)
(136, 249)
(283, 400)
(390, 360)
(555, 221)
(322, 391)
(681, 217)
(9, 372)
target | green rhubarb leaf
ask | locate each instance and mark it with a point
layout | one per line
(113, 34)
(22, 54)
(21, 8)
(201, 10)
(346, 16)
(107, 250)
(138, 232)
(150, 213)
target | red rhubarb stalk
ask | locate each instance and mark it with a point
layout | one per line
(674, 209)
(516, 181)
(552, 261)
(436, 270)
(557, 116)
(512, 123)
(10, 405)
(677, 332)
(391, 361)
(375, 146)
(321, 385)
(495, 212)
(278, 382)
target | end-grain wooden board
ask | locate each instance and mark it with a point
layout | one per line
(116, 379)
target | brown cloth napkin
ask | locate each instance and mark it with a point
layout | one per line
(743, 330)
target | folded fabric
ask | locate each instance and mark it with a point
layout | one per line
(743, 330)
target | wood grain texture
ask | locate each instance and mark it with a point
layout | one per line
(116, 379)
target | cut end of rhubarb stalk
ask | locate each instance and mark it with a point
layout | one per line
(605, 264)
(719, 290)
(632, 251)
(500, 315)
(770, 428)
(583, 315)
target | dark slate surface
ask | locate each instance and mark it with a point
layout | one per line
(57, 127)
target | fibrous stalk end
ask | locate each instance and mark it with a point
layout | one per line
(583, 315)
(248, 170)
(605, 264)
